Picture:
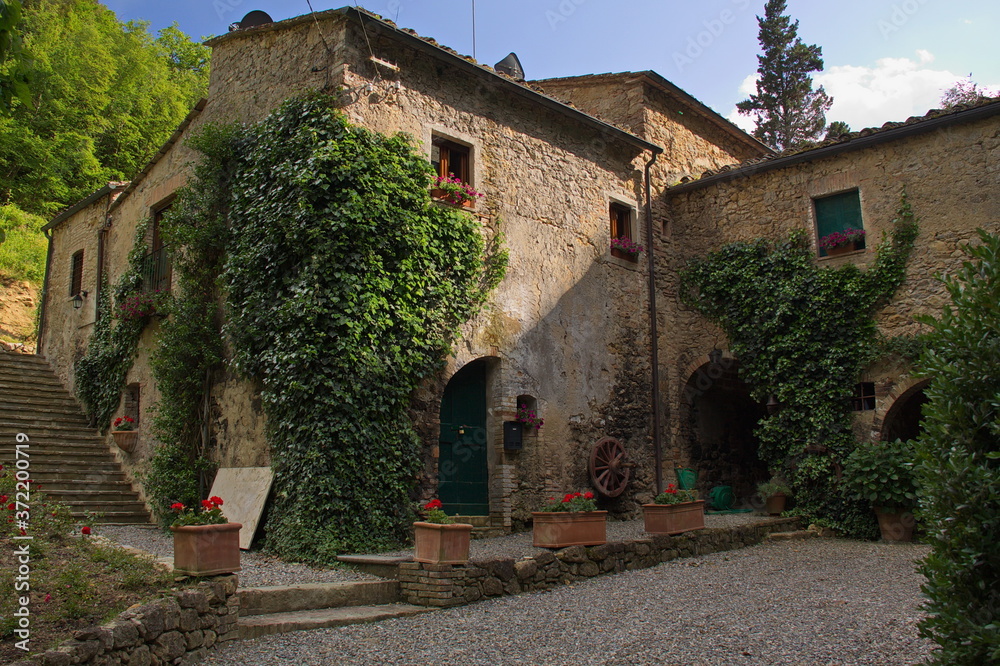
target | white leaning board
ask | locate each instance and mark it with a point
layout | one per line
(243, 491)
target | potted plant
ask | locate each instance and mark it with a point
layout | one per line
(626, 246)
(842, 242)
(453, 190)
(529, 418)
(775, 493)
(125, 434)
(572, 521)
(882, 473)
(674, 511)
(205, 542)
(439, 539)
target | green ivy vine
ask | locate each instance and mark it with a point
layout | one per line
(101, 374)
(803, 333)
(344, 288)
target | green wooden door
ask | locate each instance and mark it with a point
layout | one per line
(463, 479)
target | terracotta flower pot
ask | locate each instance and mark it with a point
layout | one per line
(895, 524)
(841, 249)
(207, 550)
(559, 529)
(775, 504)
(126, 439)
(442, 544)
(674, 518)
(447, 197)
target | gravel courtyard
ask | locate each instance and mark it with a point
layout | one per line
(815, 602)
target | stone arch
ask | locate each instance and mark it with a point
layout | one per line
(900, 414)
(717, 418)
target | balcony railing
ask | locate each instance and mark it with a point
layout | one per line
(156, 271)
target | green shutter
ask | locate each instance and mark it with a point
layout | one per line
(838, 212)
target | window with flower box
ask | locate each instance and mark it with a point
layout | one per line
(623, 241)
(838, 218)
(76, 273)
(453, 163)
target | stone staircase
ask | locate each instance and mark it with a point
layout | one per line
(282, 608)
(67, 457)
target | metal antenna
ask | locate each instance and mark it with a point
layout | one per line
(473, 29)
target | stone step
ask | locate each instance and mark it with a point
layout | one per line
(116, 518)
(86, 486)
(278, 623)
(26, 377)
(383, 566)
(10, 386)
(81, 440)
(46, 476)
(119, 505)
(55, 454)
(292, 598)
(52, 431)
(106, 497)
(55, 395)
(34, 414)
(475, 521)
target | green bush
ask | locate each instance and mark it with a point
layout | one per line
(959, 471)
(22, 245)
(882, 473)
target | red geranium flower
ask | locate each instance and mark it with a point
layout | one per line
(207, 504)
(588, 495)
(217, 501)
(433, 504)
(3, 498)
(176, 506)
(11, 506)
(86, 529)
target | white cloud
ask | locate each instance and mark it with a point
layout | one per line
(893, 90)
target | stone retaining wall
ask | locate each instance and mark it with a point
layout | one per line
(178, 629)
(455, 585)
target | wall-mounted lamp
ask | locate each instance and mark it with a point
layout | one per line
(715, 356)
(772, 404)
(78, 300)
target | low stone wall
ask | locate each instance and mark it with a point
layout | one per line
(454, 585)
(178, 629)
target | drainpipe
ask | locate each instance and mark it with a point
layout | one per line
(45, 294)
(654, 355)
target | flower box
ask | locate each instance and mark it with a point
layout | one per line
(442, 544)
(447, 197)
(559, 529)
(775, 504)
(207, 550)
(126, 439)
(674, 518)
(846, 248)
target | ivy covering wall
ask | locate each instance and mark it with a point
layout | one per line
(101, 374)
(803, 333)
(344, 287)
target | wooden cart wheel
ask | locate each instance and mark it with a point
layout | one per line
(610, 470)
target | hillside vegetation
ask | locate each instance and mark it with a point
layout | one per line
(94, 99)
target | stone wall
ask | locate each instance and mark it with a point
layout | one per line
(178, 629)
(447, 585)
(950, 177)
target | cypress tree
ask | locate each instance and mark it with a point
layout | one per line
(787, 109)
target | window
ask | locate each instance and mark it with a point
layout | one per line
(621, 227)
(156, 269)
(450, 159)
(864, 397)
(838, 212)
(76, 274)
(132, 392)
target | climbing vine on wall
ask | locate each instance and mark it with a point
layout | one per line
(803, 333)
(101, 374)
(190, 342)
(345, 287)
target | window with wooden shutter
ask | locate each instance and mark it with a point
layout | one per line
(450, 158)
(76, 274)
(838, 212)
(621, 227)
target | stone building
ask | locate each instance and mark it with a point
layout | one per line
(566, 165)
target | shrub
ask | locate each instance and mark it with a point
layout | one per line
(959, 470)
(882, 473)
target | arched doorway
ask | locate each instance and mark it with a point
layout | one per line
(463, 465)
(718, 427)
(904, 418)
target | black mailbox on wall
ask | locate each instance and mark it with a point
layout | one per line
(512, 435)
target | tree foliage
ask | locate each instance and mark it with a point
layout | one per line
(788, 111)
(101, 97)
(959, 468)
(966, 91)
(22, 245)
(14, 77)
(345, 286)
(802, 333)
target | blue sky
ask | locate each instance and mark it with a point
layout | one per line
(885, 59)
